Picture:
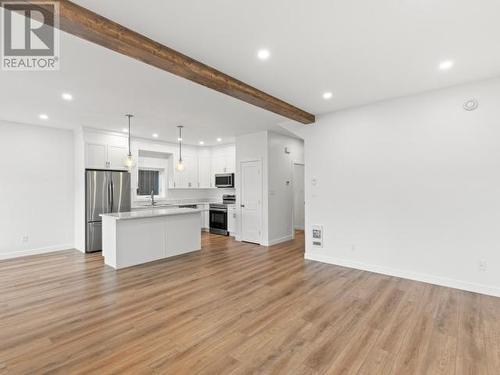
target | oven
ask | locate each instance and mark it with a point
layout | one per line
(218, 219)
(225, 180)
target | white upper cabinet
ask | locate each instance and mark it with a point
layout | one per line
(188, 178)
(117, 156)
(105, 150)
(105, 156)
(218, 164)
(96, 156)
(223, 159)
(204, 169)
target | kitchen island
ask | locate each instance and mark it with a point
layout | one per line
(137, 237)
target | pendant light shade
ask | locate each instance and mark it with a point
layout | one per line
(129, 160)
(180, 163)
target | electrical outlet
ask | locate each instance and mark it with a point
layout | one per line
(483, 265)
(25, 238)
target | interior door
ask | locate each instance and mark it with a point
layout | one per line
(251, 201)
(298, 196)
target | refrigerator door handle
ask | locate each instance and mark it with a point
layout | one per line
(112, 196)
(109, 198)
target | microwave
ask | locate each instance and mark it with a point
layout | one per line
(225, 180)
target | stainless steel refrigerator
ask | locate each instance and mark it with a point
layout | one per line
(105, 192)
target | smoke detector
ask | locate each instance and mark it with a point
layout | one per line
(471, 104)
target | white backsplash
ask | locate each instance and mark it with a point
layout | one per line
(187, 195)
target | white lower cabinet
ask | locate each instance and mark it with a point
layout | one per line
(205, 216)
(231, 219)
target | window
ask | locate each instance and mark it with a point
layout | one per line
(149, 181)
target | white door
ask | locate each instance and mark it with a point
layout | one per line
(298, 196)
(251, 201)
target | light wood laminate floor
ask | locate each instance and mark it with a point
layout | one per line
(236, 308)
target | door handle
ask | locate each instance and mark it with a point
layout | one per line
(112, 195)
(242, 205)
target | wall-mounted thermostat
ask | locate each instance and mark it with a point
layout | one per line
(317, 235)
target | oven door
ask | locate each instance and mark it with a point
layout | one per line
(218, 221)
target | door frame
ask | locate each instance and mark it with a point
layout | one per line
(293, 196)
(240, 188)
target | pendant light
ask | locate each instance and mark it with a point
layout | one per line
(129, 161)
(180, 163)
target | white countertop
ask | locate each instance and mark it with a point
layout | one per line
(153, 212)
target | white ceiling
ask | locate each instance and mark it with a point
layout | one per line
(362, 50)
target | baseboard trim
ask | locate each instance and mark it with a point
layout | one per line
(41, 250)
(278, 240)
(430, 279)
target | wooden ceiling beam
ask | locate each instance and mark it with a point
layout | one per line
(90, 26)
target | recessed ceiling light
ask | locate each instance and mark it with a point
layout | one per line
(263, 54)
(43, 116)
(202, 143)
(155, 135)
(327, 95)
(179, 139)
(219, 139)
(67, 96)
(125, 130)
(445, 65)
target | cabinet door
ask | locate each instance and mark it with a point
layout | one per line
(230, 163)
(231, 219)
(96, 156)
(188, 178)
(179, 178)
(218, 164)
(230, 160)
(206, 218)
(204, 173)
(205, 224)
(117, 156)
(191, 172)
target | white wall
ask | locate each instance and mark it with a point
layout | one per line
(252, 147)
(280, 193)
(410, 187)
(36, 189)
(277, 199)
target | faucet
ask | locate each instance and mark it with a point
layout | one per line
(153, 198)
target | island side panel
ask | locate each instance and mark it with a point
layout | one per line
(140, 241)
(183, 234)
(109, 241)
